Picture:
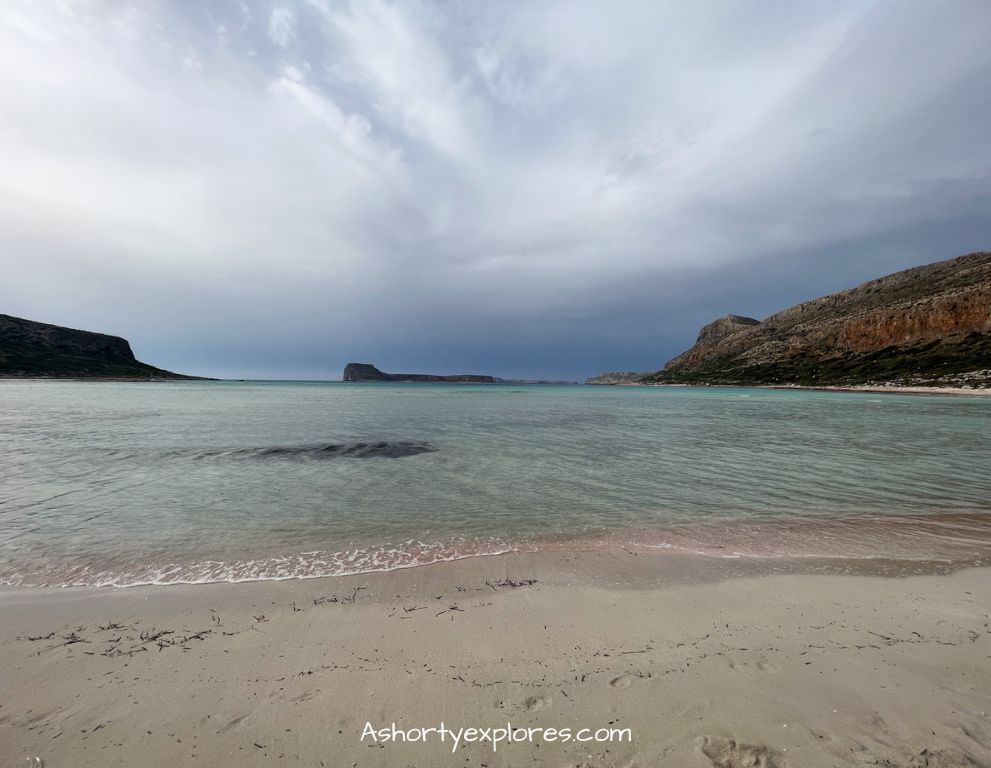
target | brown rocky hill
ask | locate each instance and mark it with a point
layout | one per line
(929, 325)
(616, 377)
(32, 349)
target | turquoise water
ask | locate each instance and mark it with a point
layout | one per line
(124, 483)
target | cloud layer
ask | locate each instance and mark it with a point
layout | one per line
(539, 189)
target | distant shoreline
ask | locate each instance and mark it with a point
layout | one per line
(869, 388)
(855, 388)
(881, 389)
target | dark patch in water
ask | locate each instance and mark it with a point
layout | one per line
(376, 450)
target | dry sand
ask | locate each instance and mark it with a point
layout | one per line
(707, 661)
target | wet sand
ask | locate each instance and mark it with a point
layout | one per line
(707, 661)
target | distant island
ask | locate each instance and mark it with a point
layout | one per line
(29, 349)
(367, 372)
(925, 326)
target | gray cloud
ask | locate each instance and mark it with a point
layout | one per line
(273, 189)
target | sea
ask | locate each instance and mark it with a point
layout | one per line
(121, 484)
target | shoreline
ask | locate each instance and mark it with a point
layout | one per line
(870, 388)
(863, 543)
(892, 390)
(854, 388)
(846, 667)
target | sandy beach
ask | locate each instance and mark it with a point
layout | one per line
(900, 390)
(706, 661)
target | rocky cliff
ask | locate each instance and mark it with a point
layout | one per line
(368, 372)
(32, 349)
(930, 325)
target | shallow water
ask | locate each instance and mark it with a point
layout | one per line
(125, 483)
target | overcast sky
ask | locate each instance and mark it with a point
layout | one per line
(269, 189)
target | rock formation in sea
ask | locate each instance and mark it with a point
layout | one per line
(925, 326)
(368, 372)
(31, 349)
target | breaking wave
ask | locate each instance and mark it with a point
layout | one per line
(134, 572)
(952, 540)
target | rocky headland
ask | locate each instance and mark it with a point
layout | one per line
(368, 372)
(617, 377)
(928, 326)
(29, 349)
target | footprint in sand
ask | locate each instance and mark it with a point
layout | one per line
(747, 665)
(730, 753)
(941, 759)
(537, 703)
(233, 723)
(623, 681)
(304, 696)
